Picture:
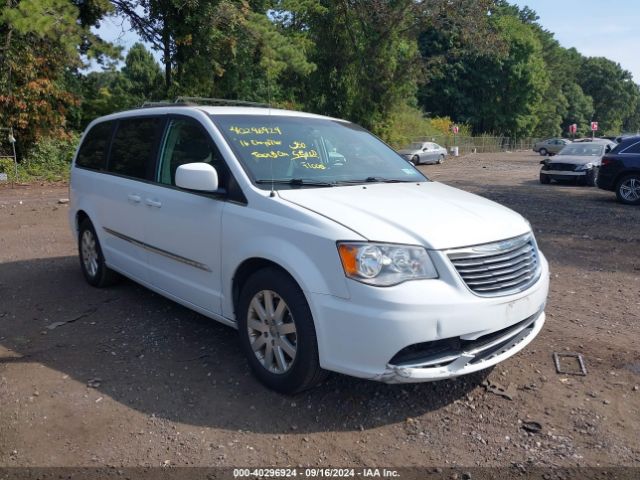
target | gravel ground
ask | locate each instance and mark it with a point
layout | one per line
(123, 377)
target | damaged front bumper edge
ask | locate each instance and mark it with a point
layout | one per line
(465, 362)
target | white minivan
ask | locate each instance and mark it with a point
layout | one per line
(322, 246)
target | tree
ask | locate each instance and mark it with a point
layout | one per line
(42, 40)
(579, 109)
(142, 73)
(112, 90)
(612, 89)
(494, 91)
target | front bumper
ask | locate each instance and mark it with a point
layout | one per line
(483, 355)
(360, 336)
(561, 173)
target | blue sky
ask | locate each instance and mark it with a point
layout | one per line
(594, 27)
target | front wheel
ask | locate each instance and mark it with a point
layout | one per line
(277, 333)
(628, 189)
(543, 152)
(415, 160)
(440, 159)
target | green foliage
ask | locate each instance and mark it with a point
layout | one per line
(48, 160)
(497, 90)
(409, 123)
(403, 69)
(614, 94)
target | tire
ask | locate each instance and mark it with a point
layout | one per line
(628, 189)
(543, 152)
(415, 160)
(293, 364)
(544, 179)
(440, 159)
(591, 179)
(92, 263)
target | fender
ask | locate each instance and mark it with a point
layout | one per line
(291, 258)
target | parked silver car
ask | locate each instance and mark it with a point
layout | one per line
(579, 162)
(424, 152)
(550, 146)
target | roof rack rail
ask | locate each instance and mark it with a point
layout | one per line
(164, 103)
(192, 101)
(219, 101)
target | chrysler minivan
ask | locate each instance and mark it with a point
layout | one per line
(322, 246)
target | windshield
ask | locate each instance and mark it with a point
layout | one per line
(301, 151)
(583, 149)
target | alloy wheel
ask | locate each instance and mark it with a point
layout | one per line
(272, 331)
(89, 253)
(630, 189)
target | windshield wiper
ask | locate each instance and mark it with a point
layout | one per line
(296, 182)
(375, 180)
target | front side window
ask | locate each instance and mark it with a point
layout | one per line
(132, 150)
(186, 141)
(95, 147)
(299, 150)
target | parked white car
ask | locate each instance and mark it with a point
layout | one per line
(424, 152)
(323, 247)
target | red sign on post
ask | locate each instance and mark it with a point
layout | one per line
(573, 128)
(594, 126)
(455, 129)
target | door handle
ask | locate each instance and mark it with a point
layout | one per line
(153, 203)
(134, 198)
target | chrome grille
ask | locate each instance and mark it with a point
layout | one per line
(499, 268)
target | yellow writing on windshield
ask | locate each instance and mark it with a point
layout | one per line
(271, 154)
(314, 166)
(298, 146)
(256, 130)
(269, 142)
(306, 154)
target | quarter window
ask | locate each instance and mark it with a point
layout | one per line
(635, 148)
(94, 149)
(133, 146)
(186, 141)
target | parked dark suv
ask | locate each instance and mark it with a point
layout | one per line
(620, 171)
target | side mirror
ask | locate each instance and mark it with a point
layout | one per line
(425, 149)
(607, 149)
(201, 177)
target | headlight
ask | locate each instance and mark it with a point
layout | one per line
(384, 264)
(586, 166)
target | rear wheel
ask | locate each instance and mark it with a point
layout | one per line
(92, 261)
(277, 333)
(544, 179)
(628, 189)
(543, 151)
(440, 159)
(415, 160)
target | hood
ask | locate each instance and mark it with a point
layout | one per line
(428, 213)
(575, 159)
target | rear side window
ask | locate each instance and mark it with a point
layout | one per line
(633, 148)
(133, 148)
(95, 147)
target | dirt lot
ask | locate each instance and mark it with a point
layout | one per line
(124, 377)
